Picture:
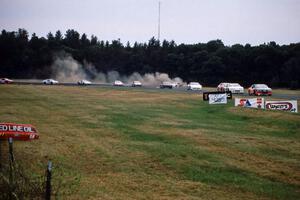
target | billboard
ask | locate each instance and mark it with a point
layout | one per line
(290, 106)
(217, 98)
(18, 131)
(206, 95)
(250, 103)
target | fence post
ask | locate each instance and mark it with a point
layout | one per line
(11, 150)
(0, 155)
(48, 180)
(11, 167)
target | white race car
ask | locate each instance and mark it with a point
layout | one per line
(194, 86)
(118, 83)
(50, 81)
(167, 84)
(84, 82)
(235, 88)
(136, 84)
(5, 81)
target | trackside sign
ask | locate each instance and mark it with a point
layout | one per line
(290, 106)
(250, 103)
(217, 98)
(206, 95)
(18, 131)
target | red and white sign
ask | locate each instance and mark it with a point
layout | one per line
(282, 105)
(18, 131)
(250, 103)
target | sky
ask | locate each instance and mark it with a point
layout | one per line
(184, 21)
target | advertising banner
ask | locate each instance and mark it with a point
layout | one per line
(290, 106)
(206, 94)
(18, 131)
(217, 98)
(250, 103)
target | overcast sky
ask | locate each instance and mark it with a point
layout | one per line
(185, 21)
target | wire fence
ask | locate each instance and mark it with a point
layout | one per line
(16, 183)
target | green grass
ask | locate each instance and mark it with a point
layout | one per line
(132, 144)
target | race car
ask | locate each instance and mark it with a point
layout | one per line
(235, 88)
(259, 89)
(167, 84)
(84, 82)
(136, 84)
(50, 82)
(194, 86)
(118, 83)
(5, 81)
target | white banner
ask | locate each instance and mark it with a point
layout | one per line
(250, 103)
(217, 98)
(282, 105)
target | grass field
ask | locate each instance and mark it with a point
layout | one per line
(130, 144)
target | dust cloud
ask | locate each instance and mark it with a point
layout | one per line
(66, 69)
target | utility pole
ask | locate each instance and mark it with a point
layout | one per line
(158, 34)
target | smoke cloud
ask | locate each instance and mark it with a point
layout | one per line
(66, 69)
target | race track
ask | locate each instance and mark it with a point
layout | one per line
(276, 94)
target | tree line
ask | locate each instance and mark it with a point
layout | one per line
(23, 56)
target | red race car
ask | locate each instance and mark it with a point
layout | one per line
(259, 89)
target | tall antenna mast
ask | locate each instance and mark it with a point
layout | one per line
(158, 34)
